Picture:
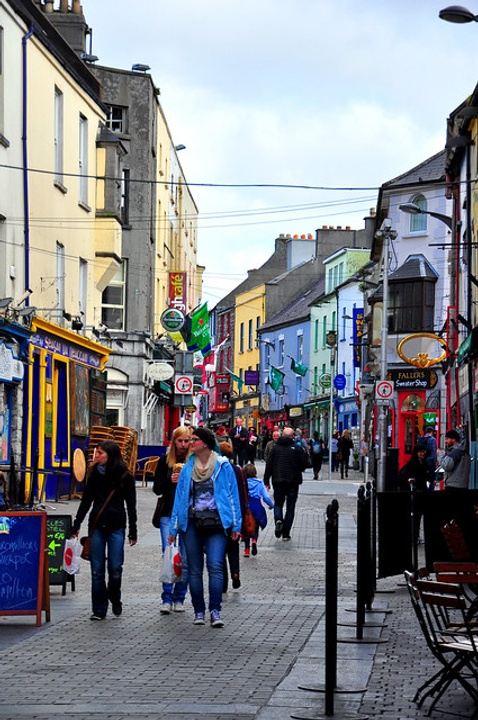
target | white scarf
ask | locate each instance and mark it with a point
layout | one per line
(201, 473)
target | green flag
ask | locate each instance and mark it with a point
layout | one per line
(298, 368)
(237, 379)
(195, 332)
(276, 378)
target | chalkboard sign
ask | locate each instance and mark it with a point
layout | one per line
(58, 529)
(22, 563)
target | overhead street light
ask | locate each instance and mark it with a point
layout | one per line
(413, 209)
(457, 14)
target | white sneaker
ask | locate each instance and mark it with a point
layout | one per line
(165, 609)
(178, 607)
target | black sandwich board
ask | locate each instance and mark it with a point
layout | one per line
(24, 586)
(58, 530)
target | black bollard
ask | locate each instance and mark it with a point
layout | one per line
(331, 588)
(413, 525)
(361, 562)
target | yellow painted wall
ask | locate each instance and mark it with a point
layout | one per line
(249, 305)
(176, 226)
(56, 213)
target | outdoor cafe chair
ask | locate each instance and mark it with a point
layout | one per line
(464, 574)
(146, 468)
(434, 603)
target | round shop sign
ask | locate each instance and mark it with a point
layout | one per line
(160, 371)
(340, 381)
(172, 319)
(324, 381)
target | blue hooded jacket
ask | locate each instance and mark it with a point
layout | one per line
(226, 497)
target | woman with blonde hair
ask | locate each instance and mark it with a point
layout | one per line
(164, 485)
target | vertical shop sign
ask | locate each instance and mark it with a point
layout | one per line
(177, 291)
(357, 335)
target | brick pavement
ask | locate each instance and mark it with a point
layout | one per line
(143, 666)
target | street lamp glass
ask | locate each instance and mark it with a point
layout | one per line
(410, 208)
(457, 14)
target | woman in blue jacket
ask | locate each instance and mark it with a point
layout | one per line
(206, 512)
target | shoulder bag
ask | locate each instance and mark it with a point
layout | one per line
(86, 539)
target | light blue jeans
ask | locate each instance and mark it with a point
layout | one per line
(173, 592)
(213, 544)
(102, 541)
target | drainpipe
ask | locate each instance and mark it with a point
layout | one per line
(26, 232)
(469, 311)
(26, 201)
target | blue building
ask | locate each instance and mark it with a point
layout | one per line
(284, 341)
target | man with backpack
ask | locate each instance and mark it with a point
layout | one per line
(316, 452)
(428, 441)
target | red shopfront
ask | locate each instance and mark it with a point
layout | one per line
(417, 407)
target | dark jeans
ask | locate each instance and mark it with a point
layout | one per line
(232, 556)
(285, 493)
(335, 462)
(113, 542)
(344, 467)
(213, 544)
(316, 459)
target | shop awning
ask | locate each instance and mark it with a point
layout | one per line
(321, 404)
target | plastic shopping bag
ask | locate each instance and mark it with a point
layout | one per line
(172, 565)
(72, 556)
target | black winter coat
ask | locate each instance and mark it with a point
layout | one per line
(113, 517)
(285, 463)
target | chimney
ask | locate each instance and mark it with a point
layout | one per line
(70, 23)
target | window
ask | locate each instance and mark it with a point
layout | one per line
(60, 276)
(300, 347)
(418, 223)
(315, 388)
(116, 119)
(324, 331)
(250, 338)
(241, 337)
(334, 321)
(341, 273)
(83, 160)
(316, 335)
(344, 323)
(298, 389)
(280, 352)
(58, 136)
(267, 359)
(2, 103)
(113, 300)
(411, 306)
(83, 288)
(125, 197)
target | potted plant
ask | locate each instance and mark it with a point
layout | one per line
(356, 465)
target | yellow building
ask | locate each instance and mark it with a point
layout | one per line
(249, 314)
(176, 227)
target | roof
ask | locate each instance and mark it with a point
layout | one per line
(430, 170)
(299, 308)
(415, 266)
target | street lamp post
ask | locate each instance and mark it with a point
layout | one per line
(457, 14)
(331, 341)
(386, 234)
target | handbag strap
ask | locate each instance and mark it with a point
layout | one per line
(102, 508)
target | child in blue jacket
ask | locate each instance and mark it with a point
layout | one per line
(257, 494)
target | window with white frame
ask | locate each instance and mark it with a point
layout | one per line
(316, 335)
(315, 388)
(324, 331)
(300, 346)
(113, 300)
(418, 222)
(83, 287)
(116, 119)
(2, 99)
(267, 356)
(58, 136)
(83, 160)
(298, 389)
(330, 280)
(280, 351)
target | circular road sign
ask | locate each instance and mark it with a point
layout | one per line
(172, 319)
(324, 380)
(183, 384)
(384, 390)
(340, 381)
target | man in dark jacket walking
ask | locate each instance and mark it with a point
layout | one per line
(285, 465)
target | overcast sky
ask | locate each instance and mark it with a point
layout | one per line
(334, 93)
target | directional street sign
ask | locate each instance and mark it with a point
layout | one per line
(384, 390)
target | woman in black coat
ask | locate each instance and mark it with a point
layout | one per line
(108, 473)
